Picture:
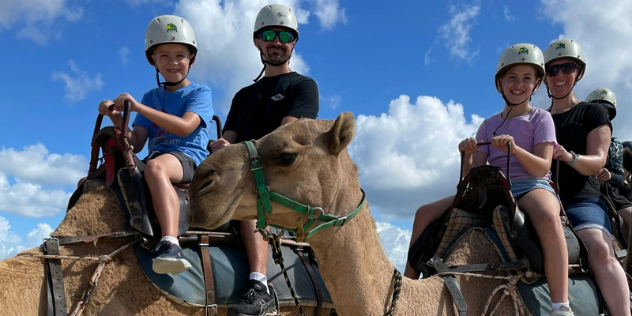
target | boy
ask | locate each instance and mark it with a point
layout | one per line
(173, 119)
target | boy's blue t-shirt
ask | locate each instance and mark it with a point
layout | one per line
(192, 98)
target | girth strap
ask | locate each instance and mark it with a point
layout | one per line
(56, 294)
(209, 281)
(452, 284)
(480, 267)
(319, 297)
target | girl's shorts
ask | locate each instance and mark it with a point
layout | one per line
(521, 187)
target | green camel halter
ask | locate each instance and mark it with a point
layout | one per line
(315, 214)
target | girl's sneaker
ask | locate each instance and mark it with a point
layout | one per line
(168, 259)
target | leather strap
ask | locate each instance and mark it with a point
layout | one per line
(319, 297)
(209, 281)
(54, 279)
(452, 284)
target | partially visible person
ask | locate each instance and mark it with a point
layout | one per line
(612, 174)
(583, 133)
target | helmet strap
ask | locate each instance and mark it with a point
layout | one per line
(502, 93)
(168, 83)
(265, 62)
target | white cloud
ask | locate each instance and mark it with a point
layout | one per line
(123, 52)
(77, 86)
(606, 42)
(408, 156)
(507, 14)
(456, 33)
(30, 199)
(11, 243)
(329, 13)
(331, 102)
(227, 57)
(395, 241)
(34, 18)
(427, 60)
(35, 164)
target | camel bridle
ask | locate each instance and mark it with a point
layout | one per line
(315, 214)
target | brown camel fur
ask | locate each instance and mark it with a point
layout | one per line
(122, 288)
(307, 161)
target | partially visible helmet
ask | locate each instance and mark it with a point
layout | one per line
(276, 15)
(168, 29)
(517, 54)
(566, 48)
(627, 144)
(606, 97)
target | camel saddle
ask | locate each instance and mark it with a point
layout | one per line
(481, 192)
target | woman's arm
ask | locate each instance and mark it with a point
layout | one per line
(597, 144)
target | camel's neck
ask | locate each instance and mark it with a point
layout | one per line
(354, 266)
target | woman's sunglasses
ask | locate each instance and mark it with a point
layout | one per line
(284, 36)
(567, 68)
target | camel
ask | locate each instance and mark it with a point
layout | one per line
(307, 161)
(122, 288)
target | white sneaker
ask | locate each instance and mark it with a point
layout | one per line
(563, 311)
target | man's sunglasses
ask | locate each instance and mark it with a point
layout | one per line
(567, 68)
(284, 36)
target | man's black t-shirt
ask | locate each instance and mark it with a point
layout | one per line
(572, 128)
(258, 109)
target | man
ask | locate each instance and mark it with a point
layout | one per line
(280, 97)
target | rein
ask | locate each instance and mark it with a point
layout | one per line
(315, 214)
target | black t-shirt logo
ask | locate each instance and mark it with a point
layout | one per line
(277, 97)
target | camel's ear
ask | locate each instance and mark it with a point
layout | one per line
(627, 159)
(341, 133)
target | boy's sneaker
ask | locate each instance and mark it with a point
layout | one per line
(563, 311)
(255, 302)
(168, 259)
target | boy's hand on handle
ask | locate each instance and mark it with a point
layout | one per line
(468, 146)
(560, 153)
(104, 108)
(119, 102)
(603, 175)
(218, 144)
(500, 142)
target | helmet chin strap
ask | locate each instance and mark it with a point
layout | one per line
(264, 62)
(554, 97)
(511, 105)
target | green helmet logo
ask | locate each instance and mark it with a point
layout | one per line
(560, 45)
(604, 92)
(523, 50)
(172, 28)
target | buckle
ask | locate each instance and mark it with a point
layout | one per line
(322, 212)
(341, 219)
(212, 306)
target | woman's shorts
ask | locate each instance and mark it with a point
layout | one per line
(188, 164)
(587, 213)
(521, 187)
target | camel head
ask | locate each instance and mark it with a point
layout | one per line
(305, 161)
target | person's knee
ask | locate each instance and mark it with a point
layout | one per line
(154, 169)
(600, 254)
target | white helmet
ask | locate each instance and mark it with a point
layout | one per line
(606, 97)
(276, 15)
(523, 53)
(566, 48)
(168, 29)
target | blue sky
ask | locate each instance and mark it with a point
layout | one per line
(418, 76)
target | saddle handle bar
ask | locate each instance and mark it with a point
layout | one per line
(97, 128)
(218, 123)
(483, 144)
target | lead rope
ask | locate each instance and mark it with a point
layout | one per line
(509, 289)
(92, 284)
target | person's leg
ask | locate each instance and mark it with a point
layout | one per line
(626, 216)
(160, 173)
(258, 299)
(543, 210)
(423, 217)
(607, 270)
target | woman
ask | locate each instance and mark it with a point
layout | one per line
(583, 134)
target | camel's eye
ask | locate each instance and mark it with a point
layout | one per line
(287, 159)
